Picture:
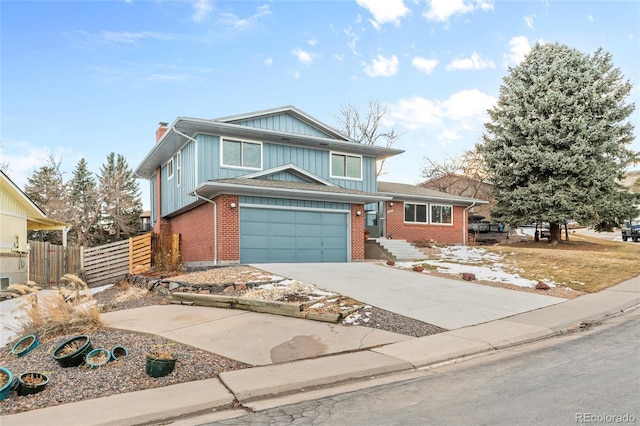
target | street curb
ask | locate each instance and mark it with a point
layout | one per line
(274, 380)
(132, 408)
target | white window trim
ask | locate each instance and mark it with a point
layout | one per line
(178, 167)
(331, 153)
(170, 169)
(427, 206)
(441, 223)
(231, 166)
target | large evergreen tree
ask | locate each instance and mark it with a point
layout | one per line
(556, 143)
(85, 212)
(120, 198)
(47, 189)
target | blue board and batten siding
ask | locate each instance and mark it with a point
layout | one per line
(175, 197)
(283, 123)
(201, 162)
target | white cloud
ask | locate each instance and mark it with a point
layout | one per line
(312, 41)
(417, 112)
(464, 110)
(442, 10)
(385, 11)
(244, 23)
(303, 56)
(447, 136)
(529, 20)
(518, 49)
(268, 62)
(475, 62)
(352, 39)
(129, 37)
(424, 65)
(590, 18)
(24, 158)
(468, 107)
(383, 67)
(201, 10)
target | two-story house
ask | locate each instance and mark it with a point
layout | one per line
(280, 186)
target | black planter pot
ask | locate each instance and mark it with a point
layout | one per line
(26, 388)
(159, 367)
(77, 357)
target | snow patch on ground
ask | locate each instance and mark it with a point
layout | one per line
(486, 266)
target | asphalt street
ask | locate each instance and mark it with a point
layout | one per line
(584, 378)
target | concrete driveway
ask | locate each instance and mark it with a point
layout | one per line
(447, 303)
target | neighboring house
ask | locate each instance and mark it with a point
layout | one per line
(280, 186)
(465, 186)
(17, 215)
(145, 221)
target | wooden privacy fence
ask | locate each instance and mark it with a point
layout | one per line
(106, 263)
(103, 264)
(140, 254)
(48, 262)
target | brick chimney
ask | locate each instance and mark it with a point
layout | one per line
(162, 129)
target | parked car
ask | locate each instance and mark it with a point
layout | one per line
(477, 224)
(631, 229)
(542, 231)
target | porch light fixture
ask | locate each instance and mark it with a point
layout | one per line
(358, 213)
(232, 205)
(390, 204)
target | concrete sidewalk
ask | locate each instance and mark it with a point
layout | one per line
(251, 387)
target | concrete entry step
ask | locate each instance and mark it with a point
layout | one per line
(400, 249)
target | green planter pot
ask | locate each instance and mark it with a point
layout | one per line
(25, 345)
(6, 387)
(97, 358)
(26, 387)
(159, 367)
(118, 352)
(77, 357)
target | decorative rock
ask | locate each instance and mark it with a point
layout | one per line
(228, 289)
(418, 268)
(391, 262)
(468, 276)
(204, 292)
(241, 286)
(542, 286)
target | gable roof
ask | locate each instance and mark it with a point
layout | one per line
(37, 220)
(184, 129)
(418, 193)
(288, 110)
(294, 170)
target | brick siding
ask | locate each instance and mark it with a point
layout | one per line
(448, 234)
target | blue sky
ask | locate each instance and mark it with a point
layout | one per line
(85, 78)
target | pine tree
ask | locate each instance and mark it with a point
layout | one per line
(85, 213)
(46, 188)
(120, 198)
(556, 142)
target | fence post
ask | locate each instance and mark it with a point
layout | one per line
(47, 263)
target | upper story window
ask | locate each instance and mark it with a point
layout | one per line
(441, 214)
(415, 213)
(179, 168)
(346, 166)
(241, 154)
(170, 168)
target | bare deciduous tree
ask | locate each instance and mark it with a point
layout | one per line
(462, 175)
(368, 127)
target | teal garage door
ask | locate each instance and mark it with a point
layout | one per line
(273, 235)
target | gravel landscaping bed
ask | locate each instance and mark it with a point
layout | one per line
(128, 374)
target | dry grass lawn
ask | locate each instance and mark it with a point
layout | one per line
(583, 263)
